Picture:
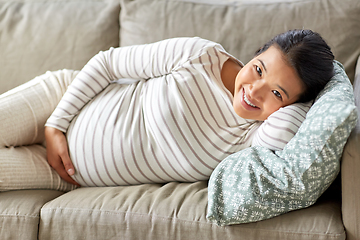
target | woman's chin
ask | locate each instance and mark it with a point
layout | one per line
(250, 113)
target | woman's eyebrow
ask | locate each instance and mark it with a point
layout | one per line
(263, 64)
(282, 89)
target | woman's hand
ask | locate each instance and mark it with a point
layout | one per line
(58, 154)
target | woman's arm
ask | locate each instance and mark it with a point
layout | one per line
(141, 62)
(281, 126)
(136, 62)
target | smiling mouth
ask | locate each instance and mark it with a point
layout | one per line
(248, 101)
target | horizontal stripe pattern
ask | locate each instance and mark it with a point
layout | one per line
(281, 126)
(174, 123)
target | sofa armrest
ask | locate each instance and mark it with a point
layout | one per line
(350, 175)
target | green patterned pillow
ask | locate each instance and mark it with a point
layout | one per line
(256, 183)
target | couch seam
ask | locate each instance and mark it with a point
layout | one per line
(16, 216)
(238, 3)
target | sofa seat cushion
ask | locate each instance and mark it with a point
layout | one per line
(172, 211)
(20, 212)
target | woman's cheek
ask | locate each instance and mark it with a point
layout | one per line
(273, 108)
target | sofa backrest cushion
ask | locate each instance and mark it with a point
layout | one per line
(37, 36)
(243, 26)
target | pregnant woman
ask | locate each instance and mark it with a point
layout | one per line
(172, 110)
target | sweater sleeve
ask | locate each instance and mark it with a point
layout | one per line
(140, 62)
(281, 126)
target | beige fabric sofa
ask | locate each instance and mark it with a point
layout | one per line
(47, 35)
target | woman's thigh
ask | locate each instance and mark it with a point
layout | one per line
(25, 109)
(23, 113)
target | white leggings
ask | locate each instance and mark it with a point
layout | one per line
(23, 113)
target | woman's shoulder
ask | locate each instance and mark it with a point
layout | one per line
(197, 40)
(193, 44)
(214, 48)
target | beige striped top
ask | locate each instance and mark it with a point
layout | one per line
(151, 113)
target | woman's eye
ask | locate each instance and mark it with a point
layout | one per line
(277, 94)
(258, 70)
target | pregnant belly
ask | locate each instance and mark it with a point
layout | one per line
(112, 142)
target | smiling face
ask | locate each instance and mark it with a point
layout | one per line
(264, 85)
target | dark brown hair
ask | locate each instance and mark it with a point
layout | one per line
(311, 57)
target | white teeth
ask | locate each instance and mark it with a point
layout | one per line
(247, 101)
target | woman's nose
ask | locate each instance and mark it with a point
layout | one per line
(257, 90)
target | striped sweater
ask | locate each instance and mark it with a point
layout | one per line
(151, 113)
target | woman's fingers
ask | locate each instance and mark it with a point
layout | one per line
(58, 154)
(58, 166)
(67, 168)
